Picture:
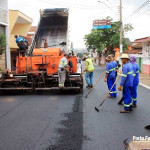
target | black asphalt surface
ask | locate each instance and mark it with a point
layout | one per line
(68, 121)
(37, 122)
(107, 129)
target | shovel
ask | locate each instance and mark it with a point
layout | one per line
(95, 84)
(97, 108)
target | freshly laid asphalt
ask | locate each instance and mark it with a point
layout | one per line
(68, 121)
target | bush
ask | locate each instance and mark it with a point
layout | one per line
(2, 43)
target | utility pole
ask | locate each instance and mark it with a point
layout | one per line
(121, 29)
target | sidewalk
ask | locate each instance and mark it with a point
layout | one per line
(145, 80)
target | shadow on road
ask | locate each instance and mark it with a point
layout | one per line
(9, 93)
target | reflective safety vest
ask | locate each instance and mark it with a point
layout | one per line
(136, 74)
(110, 69)
(90, 65)
(127, 75)
(63, 62)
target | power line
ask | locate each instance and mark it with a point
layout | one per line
(108, 7)
(137, 10)
(140, 14)
(69, 4)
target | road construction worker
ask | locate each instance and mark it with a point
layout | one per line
(21, 42)
(110, 76)
(62, 70)
(126, 82)
(70, 64)
(115, 64)
(89, 68)
(135, 80)
(95, 57)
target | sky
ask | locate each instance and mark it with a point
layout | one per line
(83, 12)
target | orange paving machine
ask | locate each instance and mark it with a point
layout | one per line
(37, 69)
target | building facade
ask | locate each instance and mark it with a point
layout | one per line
(4, 29)
(32, 32)
(144, 57)
(19, 24)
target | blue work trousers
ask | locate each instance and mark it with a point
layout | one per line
(127, 97)
(134, 94)
(110, 82)
(89, 78)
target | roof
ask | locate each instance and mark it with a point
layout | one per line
(136, 45)
(33, 29)
(21, 13)
(133, 51)
(142, 40)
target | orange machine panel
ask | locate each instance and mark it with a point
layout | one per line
(47, 51)
(36, 63)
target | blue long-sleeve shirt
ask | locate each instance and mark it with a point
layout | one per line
(21, 39)
(127, 75)
(135, 74)
(110, 70)
(115, 64)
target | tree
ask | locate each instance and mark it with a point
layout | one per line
(107, 38)
(2, 43)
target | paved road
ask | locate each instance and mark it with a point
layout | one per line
(69, 122)
(37, 122)
(108, 129)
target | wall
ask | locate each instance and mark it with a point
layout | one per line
(4, 4)
(146, 66)
(3, 11)
(146, 58)
(140, 63)
(4, 21)
(2, 61)
(12, 19)
(21, 29)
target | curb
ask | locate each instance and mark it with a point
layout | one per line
(145, 86)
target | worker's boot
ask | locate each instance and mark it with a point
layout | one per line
(88, 86)
(121, 101)
(124, 111)
(61, 85)
(147, 127)
(110, 96)
(131, 108)
(91, 86)
(134, 105)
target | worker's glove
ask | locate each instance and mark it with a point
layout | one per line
(120, 88)
(105, 80)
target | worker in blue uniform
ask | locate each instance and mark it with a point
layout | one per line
(110, 76)
(135, 80)
(126, 82)
(21, 42)
(115, 64)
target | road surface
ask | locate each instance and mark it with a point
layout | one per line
(62, 121)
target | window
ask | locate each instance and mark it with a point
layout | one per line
(2, 29)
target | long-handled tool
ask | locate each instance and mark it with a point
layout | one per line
(95, 84)
(120, 102)
(97, 108)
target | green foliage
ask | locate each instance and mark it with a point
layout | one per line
(2, 43)
(128, 27)
(107, 38)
